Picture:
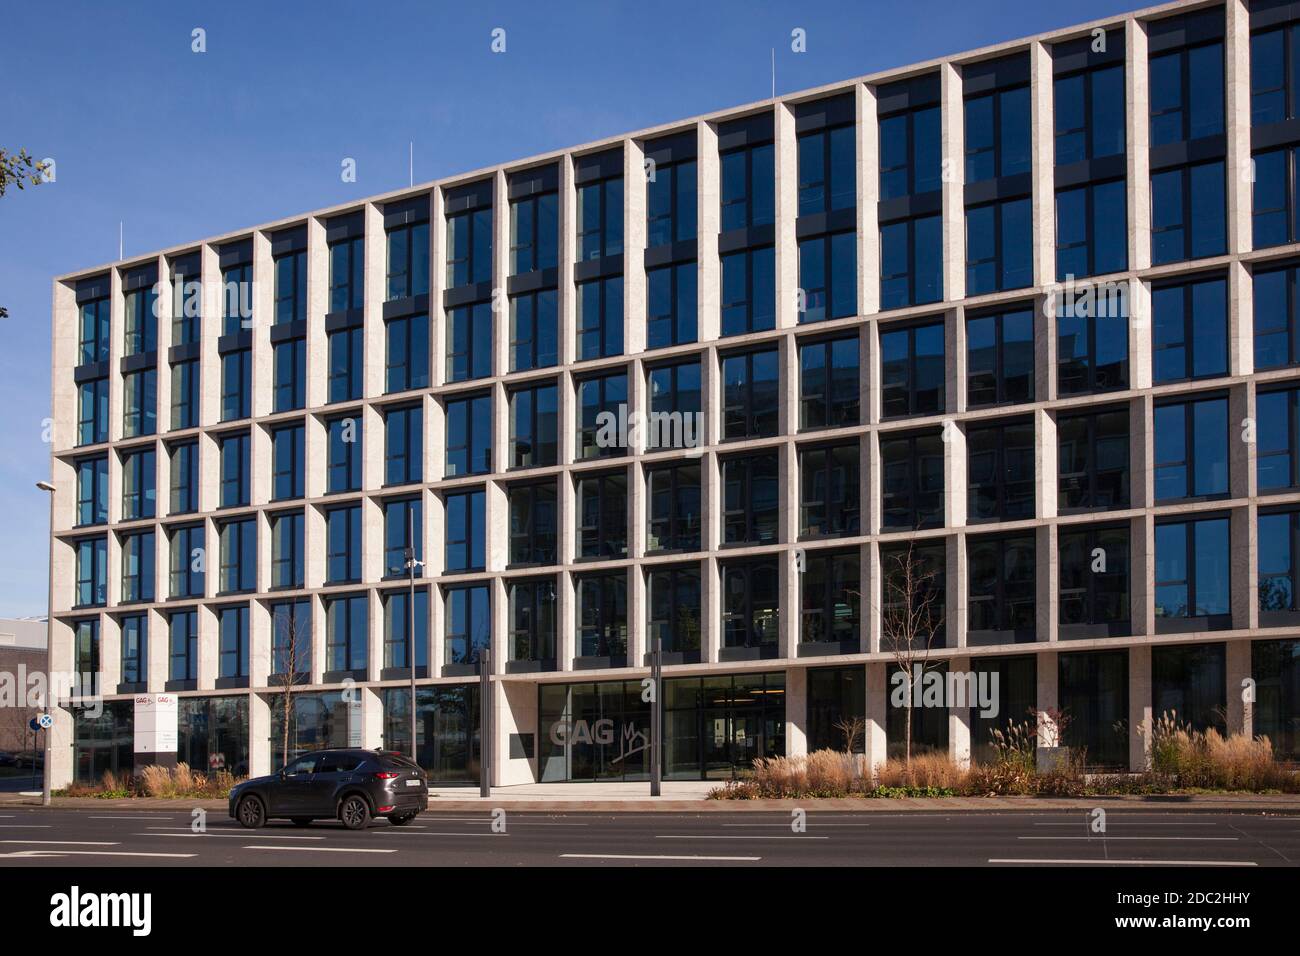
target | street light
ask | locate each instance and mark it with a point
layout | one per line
(48, 488)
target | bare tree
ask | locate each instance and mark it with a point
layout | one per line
(293, 650)
(910, 619)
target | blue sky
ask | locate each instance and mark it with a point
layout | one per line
(179, 145)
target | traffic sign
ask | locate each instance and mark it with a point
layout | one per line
(46, 721)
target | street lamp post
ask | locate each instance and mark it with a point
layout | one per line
(48, 488)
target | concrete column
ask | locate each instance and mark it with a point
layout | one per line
(1142, 607)
(708, 185)
(319, 627)
(500, 270)
(711, 613)
(872, 475)
(869, 372)
(156, 673)
(260, 759)
(566, 619)
(868, 135)
(1242, 478)
(637, 615)
(953, 145)
(954, 475)
(1046, 581)
(877, 709)
(786, 155)
(316, 348)
(116, 341)
(1139, 334)
(514, 713)
(64, 327)
(1048, 675)
(1139, 705)
(1043, 152)
(1236, 55)
(1046, 463)
(634, 240)
(372, 719)
(437, 285)
(1141, 464)
(260, 642)
(1138, 121)
(210, 331)
(566, 308)
(1243, 543)
(209, 656)
(959, 721)
(374, 634)
(1241, 320)
(110, 654)
(263, 315)
(796, 711)
(374, 269)
(871, 575)
(1241, 714)
(956, 586)
(788, 581)
(954, 347)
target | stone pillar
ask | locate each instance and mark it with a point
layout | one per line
(953, 146)
(261, 759)
(877, 706)
(796, 711)
(959, 719)
(1137, 111)
(1139, 705)
(1241, 713)
(1236, 55)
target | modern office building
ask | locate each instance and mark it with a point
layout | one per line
(1028, 315)
(22, 653)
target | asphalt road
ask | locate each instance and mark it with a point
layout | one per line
(92, 837)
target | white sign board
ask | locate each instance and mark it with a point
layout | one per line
(155, 723)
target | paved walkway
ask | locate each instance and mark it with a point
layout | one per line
(691, 797)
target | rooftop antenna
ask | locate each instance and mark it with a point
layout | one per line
(410, 162)
(773, 72)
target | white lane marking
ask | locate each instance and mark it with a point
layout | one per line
(25, 826)
(229, 836)
(1142, 839)
(28, 854)
(130, 816)
(435, 833)
(752, 836)
(653, 856)
(1114, 823)
(320, 849)
(811, 823)
(64, 842)
(1135, 862)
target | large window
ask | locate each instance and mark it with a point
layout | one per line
(343, 451)
(599, 402)
(95, 331)
(751, 499)
(1273, 199)
(1089, 113)
(830, 599)
(914, 577)
(1001, 570)
(1279, 565)
(533, 523)
(92, 572)
(343, 545)
(828, 276)
(1188, 213)
(1094, 579)
(92, 491)
(466, 531)
(1093, 689)
(829, 383)
(183, 646)
(140, 324)
(1191, 449)
(670, 203)
(1275, 665)
(997, 134)
(469, 247)
(346, 351)
(1000, 358)
(910, 153)
(534, 233)
(408, 260)
(233, 450)
(397, 629)
(287, 462)
(534, 330)
(837, 699)
(469, 435)
(748, 291)
(1000, 469)
(92, 412)
(185, 394)
(347, 274)
(999, 246)
(1093, 460)
(187, 561)
(673, 600)
(827, 170)
(600, 218)
(748, 187)
(238, 556)
(1091, 230)
(1186, 94)
(232, 641)
(672, 305)
(911, 262)
(751, 394)
(912, 372)
(184, 479)
(751, 604)
(534, 416)
(407, 362)
(403, 533)
(135, 649)
(1189, 683)
(403, 445)
(674, 507)
(600, 318)
(139, 470)
(446, 722)
(674, 399)
(287, 550)
(1277, 333)
(469, 342)
(1092, 345)
(86, 647)
(602, 615)
(1277, 439)
(346, 626)
(911, 482)
(237, 293)
(1193, 571)
(468, 624)
(532, 621)
(290, 287)
(602, 514)
(289, 364)
(138, 566)
(828, 491)
(140, 403)
(1189, 330)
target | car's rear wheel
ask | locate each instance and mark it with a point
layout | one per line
(302, 821)
(251, 812)
(354, 812)
(401, 819)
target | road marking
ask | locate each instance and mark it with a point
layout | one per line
(653, 856)
(435, 833)
(1114, 823)
(1135, 862)
(29, 854)
(811, 823)
(755, 836)
(320, 849)
(229, 836)
(64, 842)
(129, 816)
(25, 826)
(1107, 836)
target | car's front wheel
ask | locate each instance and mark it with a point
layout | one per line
(401, 819)
(251, 812)
(354, 812)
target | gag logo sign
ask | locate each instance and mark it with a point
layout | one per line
(581, 732)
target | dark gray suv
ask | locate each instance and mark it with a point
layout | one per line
(351, 786)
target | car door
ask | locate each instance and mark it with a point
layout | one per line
(320, 796)
(289, 795)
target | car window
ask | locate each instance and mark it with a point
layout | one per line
(302, 765)
(338, 763)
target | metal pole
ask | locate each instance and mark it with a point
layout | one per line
(49, 652)
(410, 618)
(656, 716)
(485, 722)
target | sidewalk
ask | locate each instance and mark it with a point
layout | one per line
(691, 797)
